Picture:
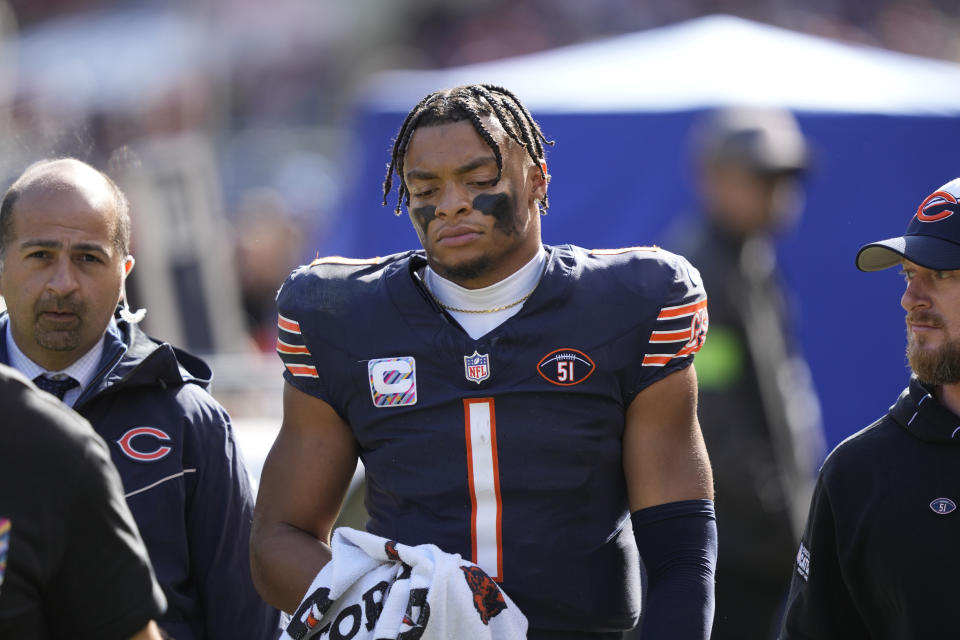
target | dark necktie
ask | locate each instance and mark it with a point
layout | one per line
(57, 387)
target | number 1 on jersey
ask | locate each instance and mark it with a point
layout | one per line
(483, 474)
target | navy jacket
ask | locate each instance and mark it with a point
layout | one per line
(184, 480)
(878, 558)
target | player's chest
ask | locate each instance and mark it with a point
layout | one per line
(404, 371)
(405, 386)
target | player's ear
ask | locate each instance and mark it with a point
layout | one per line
(128, 263)
(539, 179)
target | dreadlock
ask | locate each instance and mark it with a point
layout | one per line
(472, 103)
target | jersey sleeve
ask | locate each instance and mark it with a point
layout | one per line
(678, 325)
(819, 605)
(294, 342)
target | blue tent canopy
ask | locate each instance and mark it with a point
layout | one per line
(886, 127)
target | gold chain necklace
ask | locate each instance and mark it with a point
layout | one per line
(543, 270)
(494, 310)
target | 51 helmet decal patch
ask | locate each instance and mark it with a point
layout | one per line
(566, 367)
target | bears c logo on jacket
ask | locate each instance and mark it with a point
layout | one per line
(147, 447)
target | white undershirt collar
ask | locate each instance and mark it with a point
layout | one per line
(502, 293)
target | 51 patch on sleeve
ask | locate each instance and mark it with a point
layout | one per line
(566, 367)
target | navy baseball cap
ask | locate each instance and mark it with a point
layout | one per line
(932, 239)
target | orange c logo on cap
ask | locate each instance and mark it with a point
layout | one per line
(936, 199)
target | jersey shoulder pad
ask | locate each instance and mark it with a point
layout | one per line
(320, 302)
(624, 250)
(332, 283)
(658, 274)
(667, 295)
(340, 260)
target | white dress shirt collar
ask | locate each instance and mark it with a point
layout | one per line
(82, 370)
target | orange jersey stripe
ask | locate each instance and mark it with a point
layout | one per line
(687, 350)
(670, 336)
(288, 325)
(656, 360)
(496, 484)
(283, 347)
(305, 370)
(668, 313)
(470, 483)
(473, 488)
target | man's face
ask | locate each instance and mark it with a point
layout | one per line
(475, 232)
(63, 275)
(747, 202)
(932, 302)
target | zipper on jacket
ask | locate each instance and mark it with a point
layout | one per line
(90, 391)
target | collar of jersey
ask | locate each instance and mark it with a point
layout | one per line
(414, 304)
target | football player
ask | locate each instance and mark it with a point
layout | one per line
(529, 407)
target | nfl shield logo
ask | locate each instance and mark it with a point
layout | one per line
(477, 367)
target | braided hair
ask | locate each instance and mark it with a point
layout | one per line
(471, 103)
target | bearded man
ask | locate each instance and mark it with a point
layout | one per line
(877, 558)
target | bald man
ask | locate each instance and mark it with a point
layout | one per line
(64, 257)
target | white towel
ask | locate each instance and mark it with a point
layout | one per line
(378, 589)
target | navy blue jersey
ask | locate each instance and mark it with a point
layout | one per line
(505, 449)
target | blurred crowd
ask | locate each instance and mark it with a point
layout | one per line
(226, 119)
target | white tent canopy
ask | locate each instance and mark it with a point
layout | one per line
(710, 61)
(621, 111)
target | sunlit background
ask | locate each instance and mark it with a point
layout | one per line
(251, 136)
